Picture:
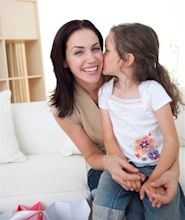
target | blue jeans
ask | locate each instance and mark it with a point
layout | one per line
(112, 202)
(135, 208)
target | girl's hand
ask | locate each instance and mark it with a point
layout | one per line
(132, 185)
(145, 188)
(121, 170)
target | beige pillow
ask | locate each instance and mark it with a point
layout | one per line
(9, 148)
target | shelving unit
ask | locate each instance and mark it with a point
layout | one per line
(21, 68)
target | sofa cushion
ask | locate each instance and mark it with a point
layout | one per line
(38, 132)
(36, 129)
(180, 125)
(46, 177)
(182, 165)
(9, 148)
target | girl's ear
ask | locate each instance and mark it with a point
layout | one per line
(129, 59)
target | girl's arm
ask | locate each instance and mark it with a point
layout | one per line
(169, 182)
(113, 148)
(168, 164)
(109, 138)
(175, 169)
(170, 143)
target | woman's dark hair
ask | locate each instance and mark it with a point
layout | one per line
(142, 41)
(63, 95)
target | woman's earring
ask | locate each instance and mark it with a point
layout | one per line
(65, 65)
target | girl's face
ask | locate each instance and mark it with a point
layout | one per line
(112, 60)
(84, 56)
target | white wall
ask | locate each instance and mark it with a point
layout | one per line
(166, 17)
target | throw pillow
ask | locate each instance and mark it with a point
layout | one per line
(9, 148)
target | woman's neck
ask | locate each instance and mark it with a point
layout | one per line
(91, 89)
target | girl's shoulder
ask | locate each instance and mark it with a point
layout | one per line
(107, 87)
(153, 94)
(151, 86)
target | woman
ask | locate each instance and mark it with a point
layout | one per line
(77, 61)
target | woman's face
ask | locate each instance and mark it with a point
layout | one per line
(112, 60)
(84, 56)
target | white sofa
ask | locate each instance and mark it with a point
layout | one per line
(54, 170)
(48, 174)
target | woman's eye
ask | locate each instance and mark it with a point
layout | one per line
(96, 49)
(77, 52)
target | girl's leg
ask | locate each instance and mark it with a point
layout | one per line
(174, 210)
(111, 200)
(135, 210)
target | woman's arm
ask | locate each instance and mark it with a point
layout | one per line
(91, 153)
(118, 168)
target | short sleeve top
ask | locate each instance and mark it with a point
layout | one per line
(134, 121)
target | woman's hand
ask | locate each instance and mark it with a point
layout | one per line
(168, 181)
(121, 171)
(150, 191)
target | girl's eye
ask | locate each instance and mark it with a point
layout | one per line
(106, 50)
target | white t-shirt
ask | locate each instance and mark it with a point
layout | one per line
(134, 122)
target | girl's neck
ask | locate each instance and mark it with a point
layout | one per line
(126, 88)
(126, 84)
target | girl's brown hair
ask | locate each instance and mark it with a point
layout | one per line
(142, 41)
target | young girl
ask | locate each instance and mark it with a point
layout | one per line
(137, 108)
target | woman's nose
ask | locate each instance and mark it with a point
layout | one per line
(90, 56)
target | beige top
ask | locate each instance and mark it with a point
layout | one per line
(87, 114)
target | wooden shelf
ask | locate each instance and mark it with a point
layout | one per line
(21, 68)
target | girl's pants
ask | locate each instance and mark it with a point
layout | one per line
(135, 208)
(112, 202)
